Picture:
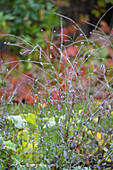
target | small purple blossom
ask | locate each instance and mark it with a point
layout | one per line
(104, 101)
(60, 74)
(102, 65)
(94, 70)
(90, 32)
(8, 43)
(75, 63)
(62, 97)
(81, 34)
(70, 72)
(82, 43)
(72, 91)
(5, 43)
(37, 45)
(61, 62)
(47, 103)
(5, 117)
(42, 30)
(32, 165)
(51, 47)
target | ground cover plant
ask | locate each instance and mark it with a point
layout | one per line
(58, 114)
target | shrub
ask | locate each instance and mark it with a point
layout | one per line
(28, 18)
(69, 122)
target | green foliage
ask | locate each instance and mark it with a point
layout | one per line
(27, 18)
(109, 1)
(9, 145)
(18, 121)
(101, 7)
(79, 168)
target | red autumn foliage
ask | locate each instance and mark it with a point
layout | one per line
(109, 63)
(70, 51)
(71, 28)
(13, 62)
(56, 97)
(21, 88)
(64, 35)
(105, 27)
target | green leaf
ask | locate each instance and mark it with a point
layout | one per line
(96, 13)
(23, 135)
(51, 122)
(101, 3)
(10, 145)
(30, 118)
(17, 161)
(19, 122)
(43, 166)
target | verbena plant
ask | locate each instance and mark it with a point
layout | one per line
(69, 124)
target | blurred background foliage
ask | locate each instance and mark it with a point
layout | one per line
(28, 18)
(35, 19)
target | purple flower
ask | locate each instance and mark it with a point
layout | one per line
(72, 91)
(81, 34)
(94, 70)
(82, 43)
(76, 63)
(60, 74)
(51, 47)
(62, 97)
(102, 65)
(104, 101)
(5, 117)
